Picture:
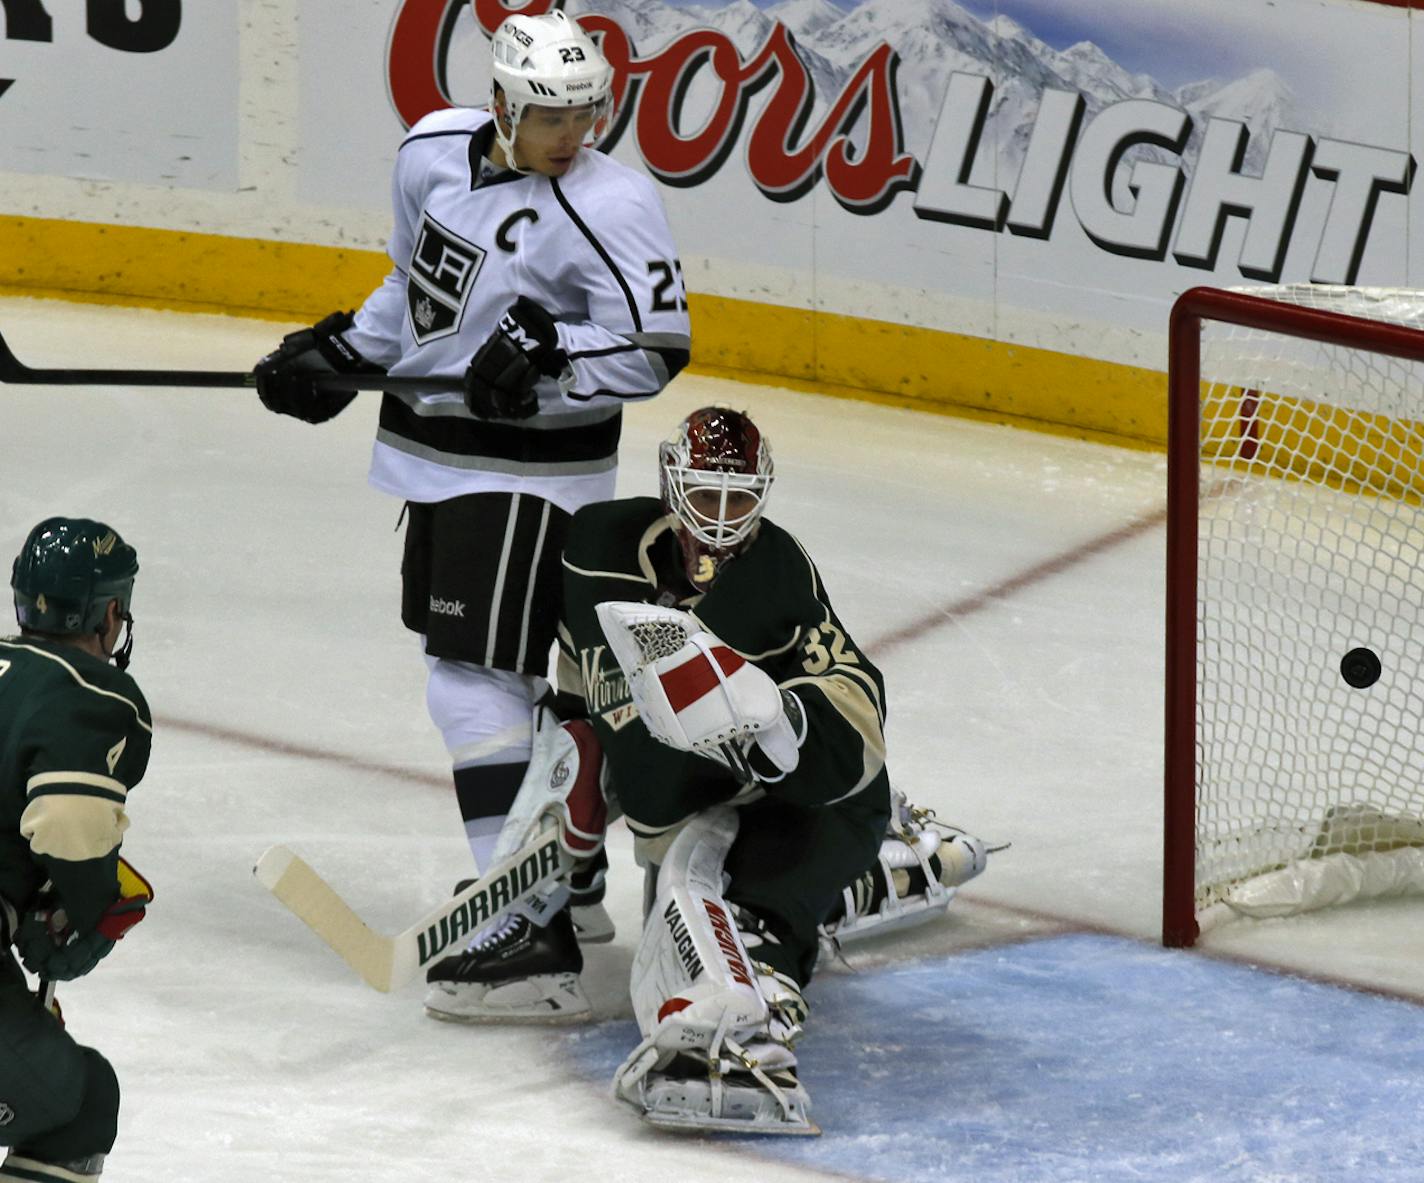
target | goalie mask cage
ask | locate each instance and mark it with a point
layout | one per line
(1295, 536)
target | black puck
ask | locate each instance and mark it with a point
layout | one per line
(1360, 667)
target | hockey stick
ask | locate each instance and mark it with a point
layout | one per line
(389, 962)
(12, 369)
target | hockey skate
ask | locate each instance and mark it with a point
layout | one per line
(690, 1095)
(730, 1088)
(922, 865)
(592, 924)
(16, 1165)
(515, 971)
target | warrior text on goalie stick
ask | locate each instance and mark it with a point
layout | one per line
(389, 962)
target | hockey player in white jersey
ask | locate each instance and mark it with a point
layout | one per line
(545, 273)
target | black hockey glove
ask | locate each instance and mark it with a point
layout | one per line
(524, 347)
(284, 376)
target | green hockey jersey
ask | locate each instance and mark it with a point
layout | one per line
(75, 735)
(768, 604)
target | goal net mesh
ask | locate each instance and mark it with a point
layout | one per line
(1311, 545)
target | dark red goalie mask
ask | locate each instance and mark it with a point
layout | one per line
(716, 472)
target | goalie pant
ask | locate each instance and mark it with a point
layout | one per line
(816, 829)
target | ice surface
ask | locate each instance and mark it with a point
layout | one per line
(1022, 656)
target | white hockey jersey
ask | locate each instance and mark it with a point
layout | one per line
(591, 247)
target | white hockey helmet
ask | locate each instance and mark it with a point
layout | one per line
(716, 472)
(548, 61)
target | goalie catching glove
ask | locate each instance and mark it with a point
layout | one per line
(51, 948)
(697, 694)
(284, 376)
(500, 380)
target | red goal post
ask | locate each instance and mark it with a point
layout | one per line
(1294, 532)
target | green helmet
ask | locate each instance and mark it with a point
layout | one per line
(66, 574)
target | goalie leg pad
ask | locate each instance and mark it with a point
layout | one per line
(745, 1088)
(701, 1007)
(685, 1097)
(563, 785)
(592, 923)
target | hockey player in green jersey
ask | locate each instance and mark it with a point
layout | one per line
(74, 740)
(742, 729)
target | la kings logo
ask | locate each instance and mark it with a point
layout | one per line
(442, 271)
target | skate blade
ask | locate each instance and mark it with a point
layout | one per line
(599, 937)
(538, 1001)
(544, 1018)
(688, 1124)
(878, 924)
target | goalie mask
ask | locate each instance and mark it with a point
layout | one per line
(716, 473)
(547, 61)
(66, 573)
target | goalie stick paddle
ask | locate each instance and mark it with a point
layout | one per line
(390, 962)
(13, 370)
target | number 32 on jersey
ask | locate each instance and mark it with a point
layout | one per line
(825, 646)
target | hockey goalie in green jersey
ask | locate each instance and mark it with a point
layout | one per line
(74, 740)
(743, 732)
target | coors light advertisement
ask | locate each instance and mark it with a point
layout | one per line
(1015, 168)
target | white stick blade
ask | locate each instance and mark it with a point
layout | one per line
(289, 877)
(270, 867)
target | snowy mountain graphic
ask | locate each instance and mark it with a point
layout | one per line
(935, 38)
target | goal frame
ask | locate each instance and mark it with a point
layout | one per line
(1191, 310)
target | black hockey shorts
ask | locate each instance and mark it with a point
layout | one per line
(481, 578)
(58, 1101)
